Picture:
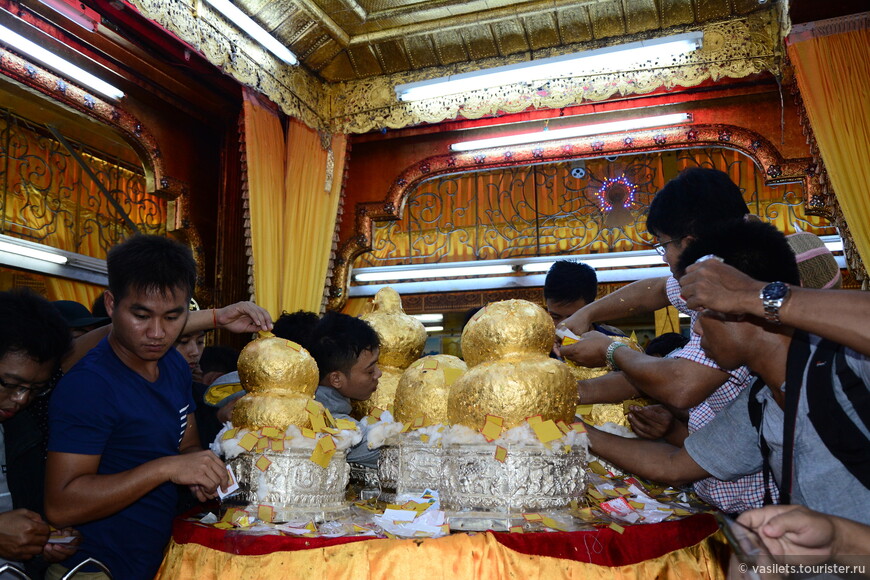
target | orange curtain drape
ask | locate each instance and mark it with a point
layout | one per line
(831, 67)
(478, 556)
(292, 216)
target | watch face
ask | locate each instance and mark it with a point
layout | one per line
(775, 291)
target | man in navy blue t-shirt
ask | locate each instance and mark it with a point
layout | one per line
(122, 427)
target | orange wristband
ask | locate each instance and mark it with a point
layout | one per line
(214, 316)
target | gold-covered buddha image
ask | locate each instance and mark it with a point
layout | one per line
(424, 388)
(402, 340)
(511, 375)
(280, 378)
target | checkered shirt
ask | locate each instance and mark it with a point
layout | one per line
(729, 496)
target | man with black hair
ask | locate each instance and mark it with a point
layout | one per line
(802, 418)
(33, 339)
(687, 206)
(346, 350)
(568, 287)
(122, 425)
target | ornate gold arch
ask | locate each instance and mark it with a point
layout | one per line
(756, 147)
(128, 127)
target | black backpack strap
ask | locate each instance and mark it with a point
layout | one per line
(796, 364)
(842, 437)
(756, 414)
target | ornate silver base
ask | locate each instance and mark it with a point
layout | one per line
(293, 485)
(364, 481)
(478, 492)
(409, 467)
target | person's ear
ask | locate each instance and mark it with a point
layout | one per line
(335, 379)
(109, 302)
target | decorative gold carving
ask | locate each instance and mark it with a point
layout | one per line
(736, 49)
(753, 145)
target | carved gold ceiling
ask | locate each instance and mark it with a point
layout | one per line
(353, 52)
(343, 40)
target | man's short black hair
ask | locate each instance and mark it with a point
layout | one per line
(150, 264)
(337, 341)
(694, 200)
(297, 326)
(568, 281)
(757, 249)
(221, 359)
(30, 324)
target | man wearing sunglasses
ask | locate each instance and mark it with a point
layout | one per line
(33, 338)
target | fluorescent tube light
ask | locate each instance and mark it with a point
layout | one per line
(59, 65)
(612, 58)
(652, 259)
(254, 30)
(570, 132)
(429, 317)
(30, 252)
(433, 328)
(432, 273)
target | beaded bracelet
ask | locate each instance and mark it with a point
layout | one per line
(611, 364)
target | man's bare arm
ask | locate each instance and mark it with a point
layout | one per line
(75, 493)
(609, 388)
(635, 298)
(838, 315)
(648, 459)
(678, 382)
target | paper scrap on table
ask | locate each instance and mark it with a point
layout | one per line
(546, 431)
(59, 539)
(233, 486)
(565, 332)
(430, 522)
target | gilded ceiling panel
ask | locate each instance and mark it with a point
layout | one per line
(449, 47)
(574, 25)
(391, 56)
(676, 12)
(708, 10)
(479, 42)
(642, 16)
(365, 63)
(511, 37)
(542, 31)
(421, 51)
(607, 19)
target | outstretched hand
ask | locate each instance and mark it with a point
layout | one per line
(651, 421)
(714, 285)
(589, 351)
(791, 530)
(23, 534)
(243, 317)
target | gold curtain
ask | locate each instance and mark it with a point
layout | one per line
(830, 61)
(292, 217)
(478, 556)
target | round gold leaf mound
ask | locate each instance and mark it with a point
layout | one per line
(513, 388)
(256, 410)
(274, 364)
(424, 388)
(402, 336)
(505, 328)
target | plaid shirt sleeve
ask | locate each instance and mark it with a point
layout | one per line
(672, 289)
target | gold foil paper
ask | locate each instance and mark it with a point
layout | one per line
(582, 373)
(513, 388)
(402, 336)
(256, 410)
(383, 397)
(505, 328)
(275, 364)
(423, 392)
(615, 412)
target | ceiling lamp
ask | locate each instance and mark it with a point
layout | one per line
(29, 251)
(76, 12)
(411, 272)
(57, 64)
(631, 56)
(254, 30)
(571, 132)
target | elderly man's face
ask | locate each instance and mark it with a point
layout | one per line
(19, 372)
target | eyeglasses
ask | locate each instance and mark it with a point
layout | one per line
(39, 390)
(662, 247)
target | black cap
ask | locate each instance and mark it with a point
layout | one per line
(77, 315)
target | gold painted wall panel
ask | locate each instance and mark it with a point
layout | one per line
(542, 30)
(449, 47)
(642, 16)
(607, 20)
(676, 12)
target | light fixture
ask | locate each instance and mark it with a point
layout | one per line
(31, 252)
(424, 318)
(57, 64)
(570, 132)
(637, 258)
(612, 58)
(76, 12)
(401, 273)
(254, 30)
(434, 328)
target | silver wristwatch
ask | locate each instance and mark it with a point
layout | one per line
(772, 296)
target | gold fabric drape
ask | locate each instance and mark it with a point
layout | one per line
(478, 556)
(831, 66)
(292, 217)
